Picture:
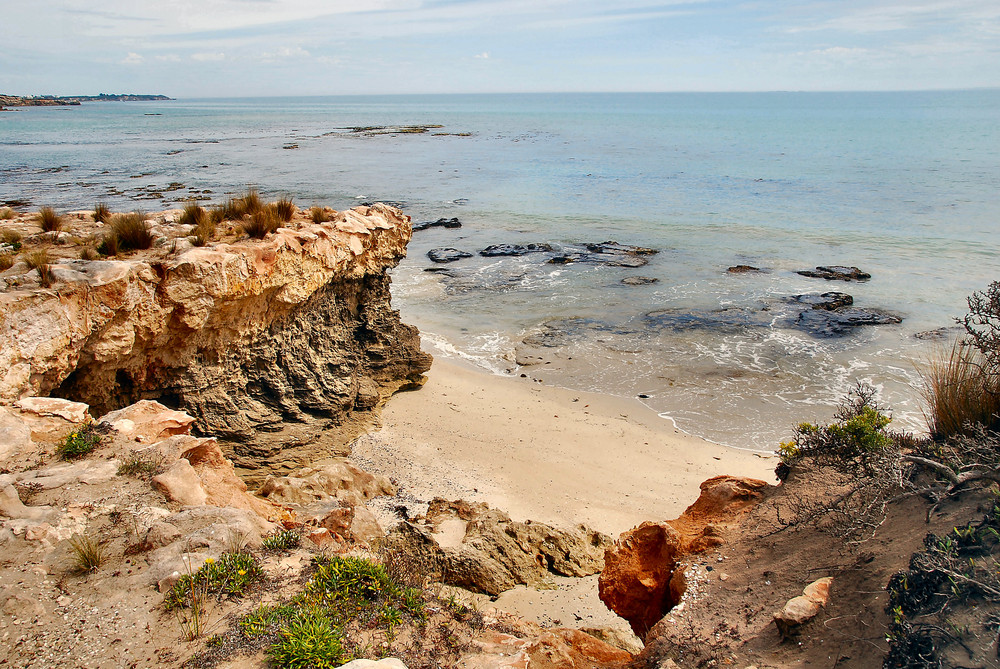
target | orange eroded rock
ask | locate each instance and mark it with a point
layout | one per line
(640, 581)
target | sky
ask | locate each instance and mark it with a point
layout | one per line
(236, 48)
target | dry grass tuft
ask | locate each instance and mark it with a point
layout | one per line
(109, 245)
(261, 223)
(6, 213)
(49, 220)
(102, 214)
(6, 261)
(193, 215)
(88, 556)
(11, 238)
(238, 208)
(39, 260)
(319, 215)
(962, 391)
(203, 221)
(87, 253)
(132, 231)
(285, 209)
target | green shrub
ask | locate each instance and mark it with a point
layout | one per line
(231, 574)
(309, 641)
(49, 220)
(347, 578)
(282, 540)
(79, 442)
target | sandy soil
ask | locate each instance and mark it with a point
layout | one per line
(543, 453)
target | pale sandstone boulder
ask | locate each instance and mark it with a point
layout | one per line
(12, 507)
(147, 421)
(324, 480)
(85, 472)
(180, 483)
(558, 648)
(15, 435)
(74, 412)
(800, 610)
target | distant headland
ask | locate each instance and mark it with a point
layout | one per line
(56, 101)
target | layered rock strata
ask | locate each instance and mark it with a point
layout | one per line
(282, 347)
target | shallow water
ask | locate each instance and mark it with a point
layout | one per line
(902, 185)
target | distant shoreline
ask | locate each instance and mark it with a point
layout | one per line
(73, 100)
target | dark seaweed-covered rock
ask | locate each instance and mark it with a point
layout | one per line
(744, 269)
(837, 322)
(616, 248)
(639, 280)
(836, 273)
(514, 249)
(440, 223)
(828, 301)
(447, 255)
(730, 319)
(613, 259)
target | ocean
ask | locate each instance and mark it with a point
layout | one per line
(901, 185)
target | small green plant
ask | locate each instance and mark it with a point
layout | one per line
(319, 215)
(12, 238)
(284, 208)
(281, 540)
(261, 223)
(140, 465)
(132, 231)
(79, 442)
(309, 641)
(102, 214)
(6, 213)
(48, 220)
(88, 556)
(232, 574)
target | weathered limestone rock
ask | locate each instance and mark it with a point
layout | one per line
(558, 648)
(483, 550)
(87, 472)
(284, 344)
(324, 480)
(74, 412)
(15, 435)
(180, 483)
(147, 421)
(385, 663)
(800, 610)
(641, 580)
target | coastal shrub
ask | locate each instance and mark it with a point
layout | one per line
(79, 442)
(132, 231)
(88, 555)
(319, 215)
(102, 214)
(261, 222)
(11, 238)
(6, 261)
(237, 208)
(309, 641)
(962, 391)
(6, 213)
(285, 209)
(281, 540)
(982, 324)
(232, 574)
(48, 220)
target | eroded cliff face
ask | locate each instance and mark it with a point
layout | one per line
(284, 348)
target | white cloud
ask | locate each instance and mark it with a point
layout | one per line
(208, 57)
(133, 58)
(168, 58)
(285, 52)
(485, 55)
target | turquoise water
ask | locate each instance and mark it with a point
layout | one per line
(902, 185)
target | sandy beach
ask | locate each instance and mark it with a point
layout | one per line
(543, 453)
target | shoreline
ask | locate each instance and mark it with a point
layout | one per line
(543, 453)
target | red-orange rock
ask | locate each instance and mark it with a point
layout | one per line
(640, 581)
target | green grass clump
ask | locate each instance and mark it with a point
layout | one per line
(284, 208)
(102, 214)
(79, 442)
(140, 465)
(48, 220)
(309, 641)
(261, 223)
(132, 231)
(88, 556)
(232, 574)
(282, 540)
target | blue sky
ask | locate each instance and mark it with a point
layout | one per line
(195, 48)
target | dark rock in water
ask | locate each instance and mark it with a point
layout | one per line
(447, 255)
(391, 203)
(639, 280)
(828, 301)
(613, 259)
(440, 270)
(514, 249)
(616, 248)
(838, 322)
(836, 273)
(440, 223)
(938, 334)
(562, 331)
(744, 269)
(730, 319)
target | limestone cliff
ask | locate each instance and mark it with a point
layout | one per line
(283, 347)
